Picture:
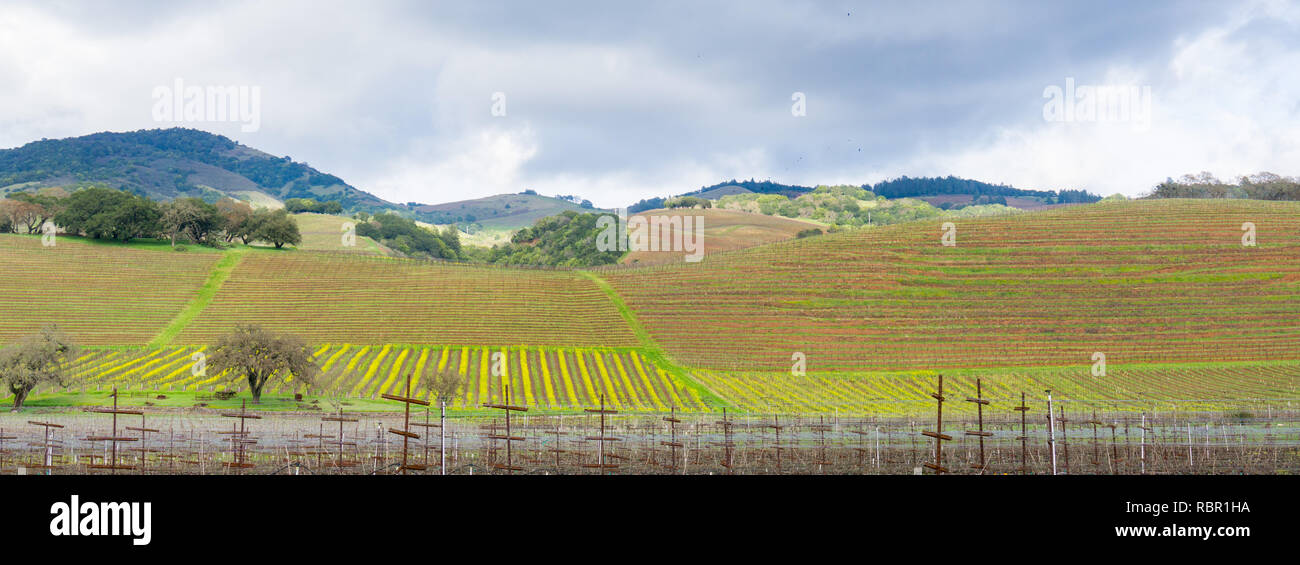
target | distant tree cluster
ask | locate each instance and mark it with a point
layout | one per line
(567, 239)
(581, 202)
(902, 187)
(852, 206)
(100, 212)
(26, 212)
(688, 202)
(646, 204)
(409, 238)
(908, 187)
(755, 186)
(981, 200)
(1259, 186)
(299, 205)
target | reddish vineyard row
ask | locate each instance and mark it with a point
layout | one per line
(1194, 387)
(99, 294)
(350, 299)
(1146, 281)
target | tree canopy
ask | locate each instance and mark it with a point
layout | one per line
(258, 355)
(35, 360)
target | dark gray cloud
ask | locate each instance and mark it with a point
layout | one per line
(626, 100)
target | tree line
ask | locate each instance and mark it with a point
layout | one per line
(100, 212)
(411, 239)
(1259, 186)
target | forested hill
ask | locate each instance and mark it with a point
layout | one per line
(163, 164)
(908, 187)
(901, 187)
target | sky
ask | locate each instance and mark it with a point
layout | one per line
(618, 101)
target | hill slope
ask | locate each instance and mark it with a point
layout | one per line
(1139, 281)
(725, 230)
(168, 163)
(502, 211)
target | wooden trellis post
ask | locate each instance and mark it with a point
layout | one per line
(406, 432)
(320, 436)
(1051, 431)
(47, 464)
(1065, 439)
(601, 465)
(239, 439)
(113, 439)
(672, 443)
(938, 435)
(1023, 409)
(776, 446)
(144, 439)
(727, 444)
(4, 453)
(1094, 422)
(426, 426)
(509, 467)
(341, 460)
(980, 403)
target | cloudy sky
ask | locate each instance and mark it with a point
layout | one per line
(616, 101)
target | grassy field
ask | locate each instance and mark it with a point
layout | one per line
(1184, 314)
(324, 232)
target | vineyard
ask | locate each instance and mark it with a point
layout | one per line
(100, 293)
(345, 298)
(1142, 281)
(1207, 387)
(1183, 314)
(553, 378)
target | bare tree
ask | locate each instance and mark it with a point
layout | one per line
(261, 355)
(445, 385)
(35, 360)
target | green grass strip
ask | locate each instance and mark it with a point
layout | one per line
(652, 351)
(220, 272)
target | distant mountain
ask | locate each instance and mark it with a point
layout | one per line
(728, 188)
(941, 188)
(503, 211)
(164, 164)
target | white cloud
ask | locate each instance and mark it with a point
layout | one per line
(479, 164)
(1225, 102)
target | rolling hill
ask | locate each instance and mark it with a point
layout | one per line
(725, 230)
(1141, 281)
(1182, 312)
(168, 163)
(499, 212)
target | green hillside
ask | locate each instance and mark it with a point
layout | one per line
(169, 163)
